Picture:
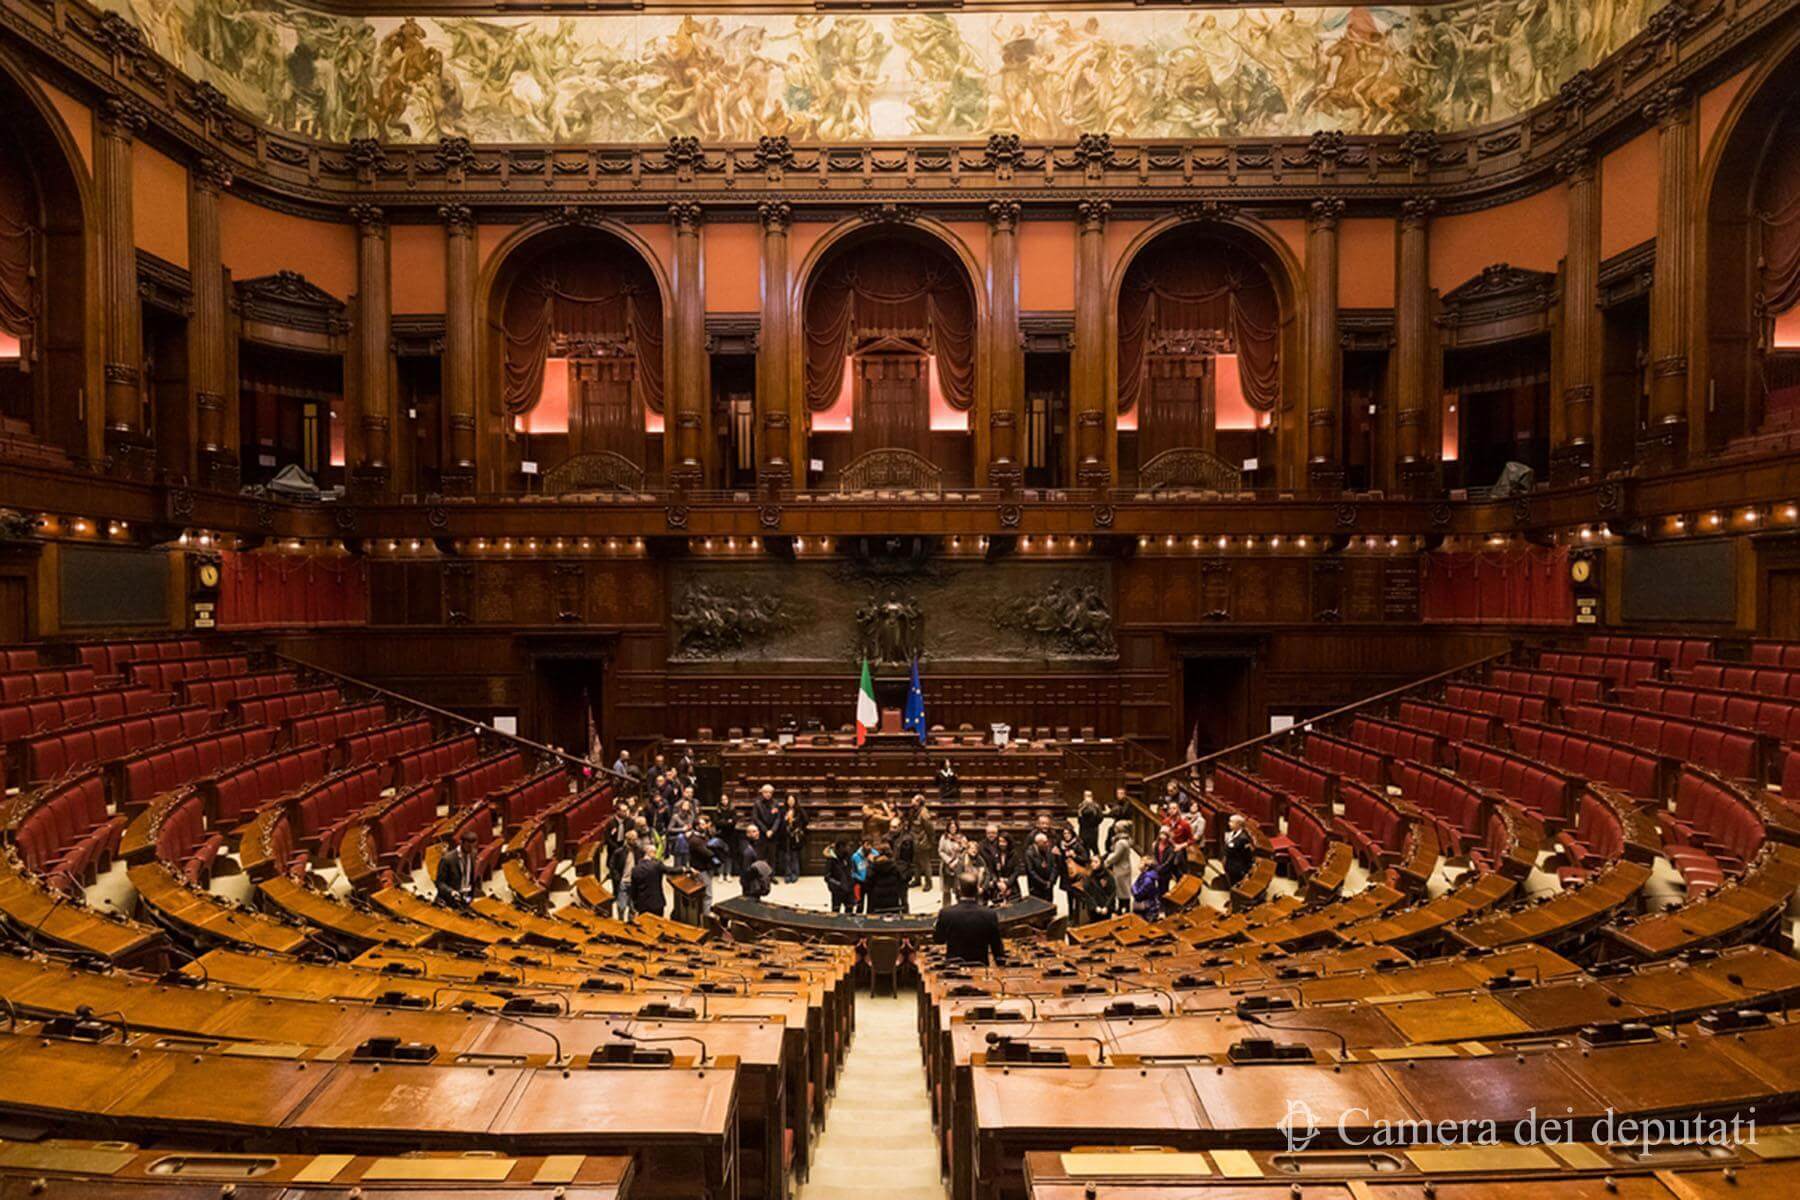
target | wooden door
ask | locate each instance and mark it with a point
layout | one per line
(892, 403)
(1178, 406)
(1781, 610)
(604, 411)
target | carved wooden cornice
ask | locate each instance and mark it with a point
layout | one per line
(1628, 274)
(1686, 45)
(290, 300)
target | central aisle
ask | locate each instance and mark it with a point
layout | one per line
(878, 1140)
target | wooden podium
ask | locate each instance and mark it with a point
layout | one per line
(689, 893)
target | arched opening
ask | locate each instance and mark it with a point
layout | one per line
(890, 335)
(43, 279)
(577, 316)
(1752, 280)
(1202, 318)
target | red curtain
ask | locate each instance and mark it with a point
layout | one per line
(292, 589)
(1189, 282)
(1503, 587)
(890, 288)
(598, 301)
(1778, 207)
(18, 254)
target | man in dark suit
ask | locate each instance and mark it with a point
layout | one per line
(646, 884)
(456, 882)
(969, 929)
(1240, 851)
(1043, 867)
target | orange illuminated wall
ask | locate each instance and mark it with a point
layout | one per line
(416, 265)
(259, 241)
(1532, 233)
(78, 117)
(1046, 266)
(551, 413)
(1628, 182)
(1713, 107)
(1366, 263)
(159, 204)
(733, 267)
(1787, 330)
(840, 416)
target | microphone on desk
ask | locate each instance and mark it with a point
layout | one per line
(627, 1036)
(1342, 1041)
(1672, 1014)
(1000, 1042)
(1510, 978)
(31, 938)
(84, 1012)
(387, 967)
(471, 1006)
(1781, 997)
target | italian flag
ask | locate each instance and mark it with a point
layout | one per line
(867, 715)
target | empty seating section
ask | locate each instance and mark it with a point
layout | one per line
(186, 842)
(1371, 823)
(283, 706)
(321, 812)
(1780, 682)
(68, 835)
(26, 717)
(111, 658)
(1253, 797)
(168, 675)
(1790, 775)
(1454, 808)
(1305, 841)
(1713, 832)
(401, 826)
(52, 755)
(439, 758)
(530, 798)
(383, 742)
(235, 794)
(1344, 758)
(1594, 838)
(1506, 706)
(1544, 793)
(1775, 654)
(137, 778)
(218, 692)
(1775, 717)
(1679, 653)
(1733, 752)
(1621, 669)
(1397, 740)
(1631, 769)
(334, 724)
(1303, 779)
(464, 786)
(1562, 688)
(580, 819)
(1456, 724)
(45, 681)
(18, 658)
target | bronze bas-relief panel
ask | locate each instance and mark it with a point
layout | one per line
(945, 612)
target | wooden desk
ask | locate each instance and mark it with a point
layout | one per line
(62, 921)
(353, 925)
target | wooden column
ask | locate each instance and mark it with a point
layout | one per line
(460, 256)
(1088, 374)
(1413, 344)
(371, 471)
(209, 357)
(1006, 373)
(122, 326)
(1665, 442)
(1573, 457)
(774, 380)
(686, 403)
(1325, 357)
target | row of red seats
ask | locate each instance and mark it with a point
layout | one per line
(1778, 718)
(69, 836)
(1714, 830)
(489, 843)
(1619, 668)
(1303, 779)
(283, 706)
(525, 800)
(1556, 685)
(52, 755)
(1455, 808)
(1680, 653)
(334, 724)
(234, 794)
(1305, 841)
(1246, 794)
(1632, 770)
(166, 676)
(1371, 823)
(1509, 844)
(1544, 793)
(435, 760)
(1790, 776)
(582, 817)
(111, 658)
(1456, 724)
(321, 812)
(18, 658)
(1596, 837)
(403, 825)
(1776, 654)
(28, 717)
(34, 682)
(1343, 758)
(383, 742)
(464, 786)
(1499, 703)
(1398, 741)
(1744, 677)
(150, 773)
(1721, 748)
(185, 842)
(226, 690)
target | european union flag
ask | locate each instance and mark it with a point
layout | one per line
(914, 716)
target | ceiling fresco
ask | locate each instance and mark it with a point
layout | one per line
(1239, 72)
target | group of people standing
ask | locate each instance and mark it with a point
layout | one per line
(878, 872)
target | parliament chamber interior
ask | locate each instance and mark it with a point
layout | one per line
(893, 600)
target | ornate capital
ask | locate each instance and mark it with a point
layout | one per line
(1214, 211)
(889, 213)
(1092, 150)
(1091, 215)
(1416, 212)
(122, 117)
(211, 174)
(684, 150)
(1326, 146)
(1003, 152)
(775, 215)
(1324, 213)
(774, 153)
(685, 216)
(458, 219)
(575, 214)
(1003, 215)
(1669, 107)
(368, 217)
(1577, 165)
(455, 155)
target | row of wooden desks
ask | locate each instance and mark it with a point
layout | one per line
(56, 919)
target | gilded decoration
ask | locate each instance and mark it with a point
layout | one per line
(808, 77)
